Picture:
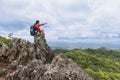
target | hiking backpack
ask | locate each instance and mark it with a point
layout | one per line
(32, 32)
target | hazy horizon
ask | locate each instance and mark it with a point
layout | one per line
(83, 44)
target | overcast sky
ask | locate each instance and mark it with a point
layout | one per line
(74, 20)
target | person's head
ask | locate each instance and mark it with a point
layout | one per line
(37, 21)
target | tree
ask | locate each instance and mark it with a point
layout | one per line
(10, 35)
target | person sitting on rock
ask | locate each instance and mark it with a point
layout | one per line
(37, 29)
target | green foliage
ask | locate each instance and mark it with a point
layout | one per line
(6, 41)
(101, 63)
(58, 51)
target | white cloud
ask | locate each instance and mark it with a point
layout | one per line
(113, 35)
(66, 18)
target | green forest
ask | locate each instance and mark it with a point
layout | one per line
(101, 63)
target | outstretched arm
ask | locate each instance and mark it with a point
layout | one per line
(43, 24)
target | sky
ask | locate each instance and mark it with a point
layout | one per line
(71, 20)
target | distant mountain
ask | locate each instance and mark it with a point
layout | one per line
(72, 45)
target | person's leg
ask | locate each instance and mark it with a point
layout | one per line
(43, 33)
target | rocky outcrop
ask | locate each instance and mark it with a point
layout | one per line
(22, 60)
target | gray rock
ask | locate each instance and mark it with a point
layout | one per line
(63, 68)
(27, 61)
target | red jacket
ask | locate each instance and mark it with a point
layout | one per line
(37, 27)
